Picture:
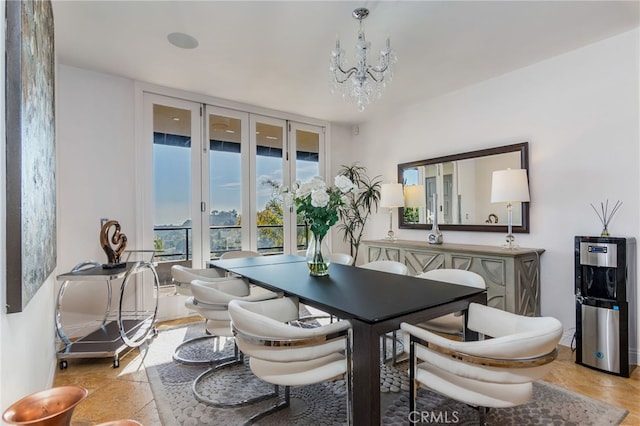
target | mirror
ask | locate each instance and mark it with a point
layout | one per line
(462, 184)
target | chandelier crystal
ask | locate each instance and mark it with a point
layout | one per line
(362, 83)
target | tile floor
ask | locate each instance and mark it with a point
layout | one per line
(125, 393)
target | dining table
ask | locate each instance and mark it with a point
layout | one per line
(375, 303)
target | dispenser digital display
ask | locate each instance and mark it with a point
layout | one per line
(597, 249)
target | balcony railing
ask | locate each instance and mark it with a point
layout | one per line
(173, 243)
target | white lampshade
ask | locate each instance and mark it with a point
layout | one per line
(391, 195)
(415, 196)
(509, 185)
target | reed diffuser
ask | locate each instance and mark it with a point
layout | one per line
(605, 215)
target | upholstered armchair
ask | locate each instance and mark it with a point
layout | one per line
(182, 276)
(285, 355)
(495, 372)
(342, 258)
(212, 301)
(451, 323)
(390, 266)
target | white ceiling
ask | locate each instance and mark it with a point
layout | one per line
(275, 54)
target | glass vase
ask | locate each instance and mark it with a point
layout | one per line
(318, 255)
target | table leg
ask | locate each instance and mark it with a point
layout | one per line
(366, 374)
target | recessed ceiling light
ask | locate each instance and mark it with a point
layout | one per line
(230, 131)
(182, 40)
(273, 138)
(176, 118)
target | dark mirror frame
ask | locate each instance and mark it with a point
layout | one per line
(522, 148)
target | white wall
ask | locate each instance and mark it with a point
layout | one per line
(340, 155)
(27, 351)
(579, 111)
(96, 177)
(96, 161)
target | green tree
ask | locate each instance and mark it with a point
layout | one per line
(158, 244)
(272, 214)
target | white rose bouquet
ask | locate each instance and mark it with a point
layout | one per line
(318, 203)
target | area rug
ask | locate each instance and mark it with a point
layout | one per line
(325, 403)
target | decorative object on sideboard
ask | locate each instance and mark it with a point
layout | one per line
(435, 236)
(391, 197)
(605, 215)
(362, 83)
(119, 241)
(510, 186)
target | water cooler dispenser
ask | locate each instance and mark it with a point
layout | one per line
(605, 288)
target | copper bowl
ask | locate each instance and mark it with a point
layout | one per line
(49, 407)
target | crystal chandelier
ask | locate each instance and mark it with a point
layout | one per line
(362, 83)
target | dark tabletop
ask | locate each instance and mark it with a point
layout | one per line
(242, 262)
(351, 292)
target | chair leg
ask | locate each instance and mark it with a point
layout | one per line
(482, 415)
(394, 347)
(236, 360)
(277, 407)
(185, 361)
(412, 377)
(217, 340)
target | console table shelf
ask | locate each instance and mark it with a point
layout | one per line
(512, 275)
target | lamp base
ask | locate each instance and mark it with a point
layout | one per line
(509, 242)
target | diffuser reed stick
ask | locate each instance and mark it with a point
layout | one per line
(605, 215)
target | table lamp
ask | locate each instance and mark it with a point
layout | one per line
(391, 197)
(510, 186)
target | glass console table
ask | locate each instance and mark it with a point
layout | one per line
(119, 330)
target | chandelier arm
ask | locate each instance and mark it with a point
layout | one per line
(382, 67)
(370, 72)
(349, 71)
(347, 74)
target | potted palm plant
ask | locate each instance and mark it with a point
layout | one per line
(356, 212)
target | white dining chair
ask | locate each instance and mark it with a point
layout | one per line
(342, 258)
(182, 277)
(286, 355)
(238, 254)
(392, 267)
(451, 323)
(496, 372)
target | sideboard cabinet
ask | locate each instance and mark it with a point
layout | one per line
(512, 275)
